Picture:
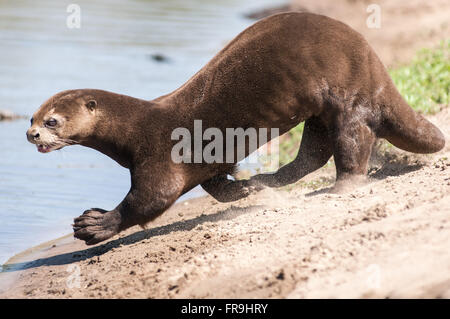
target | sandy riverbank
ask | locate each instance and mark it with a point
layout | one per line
(389, 238)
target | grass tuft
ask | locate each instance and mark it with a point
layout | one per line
(425, 82)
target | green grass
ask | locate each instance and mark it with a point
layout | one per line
(290, 143)
(424, 83)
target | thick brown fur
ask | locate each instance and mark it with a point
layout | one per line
(283, 70)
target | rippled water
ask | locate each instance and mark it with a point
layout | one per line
(40, 194)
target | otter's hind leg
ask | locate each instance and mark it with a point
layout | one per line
(352, 146)
(315, 151)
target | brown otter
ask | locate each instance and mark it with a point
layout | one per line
(283, 70)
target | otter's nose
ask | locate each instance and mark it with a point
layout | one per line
(32, 135)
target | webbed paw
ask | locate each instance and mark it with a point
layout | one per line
(96, 225)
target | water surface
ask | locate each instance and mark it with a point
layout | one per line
(40, 194)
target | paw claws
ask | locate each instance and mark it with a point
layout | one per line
(94, 226)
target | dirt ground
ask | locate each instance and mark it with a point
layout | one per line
(389, 238)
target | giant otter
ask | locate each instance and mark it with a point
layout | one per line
(283, 70)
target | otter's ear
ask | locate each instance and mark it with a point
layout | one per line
(91, 105)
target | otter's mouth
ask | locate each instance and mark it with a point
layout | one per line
(48, 148)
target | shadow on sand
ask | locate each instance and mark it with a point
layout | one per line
(186, 225)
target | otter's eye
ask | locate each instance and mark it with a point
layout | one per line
(31, 121)
(51, 123)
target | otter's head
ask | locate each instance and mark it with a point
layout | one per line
(67, 118)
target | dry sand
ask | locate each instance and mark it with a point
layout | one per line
(389, 238)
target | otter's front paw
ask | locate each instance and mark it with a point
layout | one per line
(96, 225)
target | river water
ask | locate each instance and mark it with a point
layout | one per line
(40, 194)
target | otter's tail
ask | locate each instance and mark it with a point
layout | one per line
(406, 129)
